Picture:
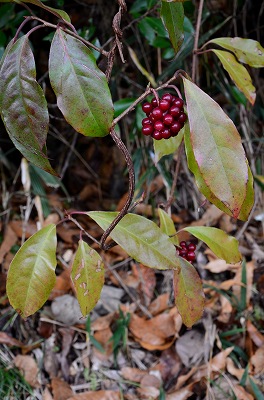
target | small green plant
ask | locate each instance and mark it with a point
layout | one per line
(12, 383)
(119, 337)
(211, 142)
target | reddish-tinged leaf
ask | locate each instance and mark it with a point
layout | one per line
(87, 276)
(23, 105)
(189, 296)
(58, 13)
(81, 88)
(238, 73)
(31, 274)
(247, 51)
(223, 245)
(217, 149)
(141, 238)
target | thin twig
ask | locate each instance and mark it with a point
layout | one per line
(131, 189)
(196, 40)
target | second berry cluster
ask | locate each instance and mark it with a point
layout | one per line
(165, 117)
(187, 251)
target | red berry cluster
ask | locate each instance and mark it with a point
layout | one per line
(187, 251)
(164, 118)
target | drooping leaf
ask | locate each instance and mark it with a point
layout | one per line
(58, 13)
(165, 147)
(247, 51)
(167, 226)
(87, 276)
(141, 238)
(140, 67)
(188, 292)
(217, 148)
(204, 189)
(223, 245)
(81, 88)
(31, 275)
(172, 14)
(22, 103)
(238, 73)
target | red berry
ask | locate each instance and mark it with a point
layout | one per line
(183, 244)
(175, 127)
(168, 119)
(157, 114)
(154, 102)
(166, 133)
(164, 105)
(191, 247)
(159, 126)
(178, 102)
(147, 108)
(157, 135)
(183, 253)
(175, 111)
(147, 130)
(167, 96)
(182, 118)
(191, 256)
(146, 121)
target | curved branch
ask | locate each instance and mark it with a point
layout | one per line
(131, 189)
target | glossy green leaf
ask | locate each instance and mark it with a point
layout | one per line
(223, 245)
(167, 226)
(165, 147)
(81, 88)
(141, 238)
(247, 51)
(22, 103)
(87, 276)
(204, 189)
(238, 73)
(122, 104)
(217, 148)
(188, 292)
(31, 275)
(172, 14)
(58, 13)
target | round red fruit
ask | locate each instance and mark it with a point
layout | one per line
(154, 102)
(147, 108)
(168, 119)
(175, 127)
(191, 247)
(164, 105)
(175, 111)
(168, 97)
(146, 121)
(183, 244)
(166, 133)
(147, 130)
(191, 256)
(182, 118)
(157, 135)
(178, 102)
(157, 113)
(183, 253)
(158, 126)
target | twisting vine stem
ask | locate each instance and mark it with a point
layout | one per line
(131, 189)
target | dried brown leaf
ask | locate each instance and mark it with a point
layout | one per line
(9, 340)
(10, 238)
(160, 304)
(254, 334)
(133, 374)
(61, 389)
(257, 362)
(99, 395)
(28, 368)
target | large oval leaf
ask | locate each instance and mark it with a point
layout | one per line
(204, 189)
(247, 51)
(87, 276)
(217, 148)
(23, 105)
(58, 13)
(238, 73)
(141, 238)
(188, 291)
(31, 275)
(81, 88)
(223, 245)
(172, 15)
